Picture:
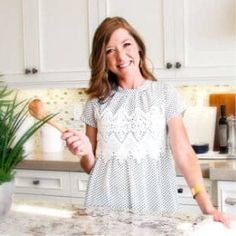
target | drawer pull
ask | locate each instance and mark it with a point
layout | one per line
(177, 65)
(34, 71)
(230, 201)
(168, 65)
(27, 71)
(36, 182)
(180, 190)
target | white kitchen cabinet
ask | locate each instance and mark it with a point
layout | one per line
(79, 182)
(196, 38)
(227, 196)
(50, 39)
(51, 185)
(11, 40)
(205, 39)
(186, 201)
(45, 41)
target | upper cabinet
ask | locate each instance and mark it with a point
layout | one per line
(188, 41)
(11, 40)
(45, 41)
(205, 39)
(48, 42)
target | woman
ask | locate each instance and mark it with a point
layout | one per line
(133, 123)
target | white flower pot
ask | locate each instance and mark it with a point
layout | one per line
(6, 192)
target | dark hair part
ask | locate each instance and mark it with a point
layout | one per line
(103, 81)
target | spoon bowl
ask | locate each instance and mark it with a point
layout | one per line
(37, 110)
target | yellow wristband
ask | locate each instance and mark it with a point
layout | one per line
(196, 189)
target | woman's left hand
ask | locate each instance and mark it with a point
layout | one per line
(220, 217)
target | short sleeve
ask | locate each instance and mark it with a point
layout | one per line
(174, 104)
(89, 113)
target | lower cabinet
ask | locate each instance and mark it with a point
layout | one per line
(71, 187)
(187, 203)
(227, 196)
(51, 185)
(79, 182)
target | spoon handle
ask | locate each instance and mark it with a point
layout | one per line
(58, 126)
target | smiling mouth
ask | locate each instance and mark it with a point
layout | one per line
(122, 66)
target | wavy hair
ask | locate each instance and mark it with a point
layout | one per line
(103, 81)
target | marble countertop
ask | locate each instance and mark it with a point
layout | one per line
(44, 219)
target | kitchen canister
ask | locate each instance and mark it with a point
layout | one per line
(28, 146)
(50, 139)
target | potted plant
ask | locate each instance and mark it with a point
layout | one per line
(12, 117)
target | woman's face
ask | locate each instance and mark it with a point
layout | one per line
(122, 54)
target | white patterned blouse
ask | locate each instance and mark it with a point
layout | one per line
(134, 169)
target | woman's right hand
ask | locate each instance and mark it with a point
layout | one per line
(77, 142)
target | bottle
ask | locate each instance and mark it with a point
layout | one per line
(223, 131)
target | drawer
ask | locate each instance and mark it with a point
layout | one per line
(79, 182)
(184, 193)
(42, 182)
(227, 197)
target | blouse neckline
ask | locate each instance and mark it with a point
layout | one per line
(143, 86)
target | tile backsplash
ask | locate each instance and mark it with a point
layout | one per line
(199, 95)
(69, 102)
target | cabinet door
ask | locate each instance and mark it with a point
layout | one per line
(206, 39)
(51, 38)
(63, 35)
(227, 197)
(12, 38)
(19, 44)
(148, 18)
(63, 40)
(79, 182)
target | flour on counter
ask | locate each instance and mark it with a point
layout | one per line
(210, 227)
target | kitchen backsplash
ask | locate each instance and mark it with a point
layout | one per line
(69, 102)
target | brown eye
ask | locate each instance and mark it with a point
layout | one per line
(127, 44)
(109, 51)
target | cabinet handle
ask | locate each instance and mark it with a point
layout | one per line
(180, 190)
(230, 201)
(168, 65)
(36, 182)
(177, 65)
(34, 71)
(27, 71)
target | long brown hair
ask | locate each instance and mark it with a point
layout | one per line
(102, 80)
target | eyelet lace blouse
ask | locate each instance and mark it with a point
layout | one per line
(134, 169)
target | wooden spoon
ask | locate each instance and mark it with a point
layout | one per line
(36, 109)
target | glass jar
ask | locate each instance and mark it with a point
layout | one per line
(232, 136)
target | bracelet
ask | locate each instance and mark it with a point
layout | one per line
(196, 189)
